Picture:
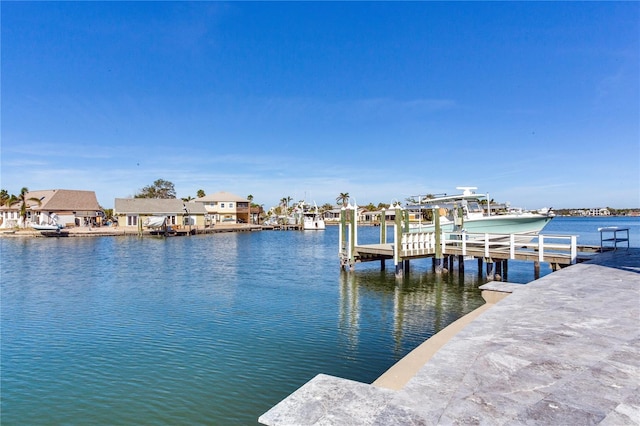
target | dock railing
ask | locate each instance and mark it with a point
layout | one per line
(506, 246)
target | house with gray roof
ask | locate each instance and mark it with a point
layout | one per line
(140, 213)
(67, 207)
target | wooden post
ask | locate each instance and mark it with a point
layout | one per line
(536, 269)
(383, 234)
(460, 264)
(438, 236)
(405, 216)
(355, 224)
(352, 239)
(342, 236)
(397, 240)
(505, 270)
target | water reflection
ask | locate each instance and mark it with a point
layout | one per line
(209, 329)
(420, 304)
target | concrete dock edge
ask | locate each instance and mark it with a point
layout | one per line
(563, 349)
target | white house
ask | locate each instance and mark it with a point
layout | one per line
(66, 207)
(225, 207)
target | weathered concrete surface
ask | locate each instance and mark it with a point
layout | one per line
(561, 350)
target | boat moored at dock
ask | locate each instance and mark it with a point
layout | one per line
(311, 218)
(472, 212)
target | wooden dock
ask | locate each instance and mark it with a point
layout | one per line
(487, 247)
(446, 247)
(281, 227)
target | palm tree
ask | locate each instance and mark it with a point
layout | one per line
(200, 193)
(285, 203)
(370, 207)
(325, 207)
(108, 214)
(23, 201)
(4, 196)
(343, 198)
(187, 198)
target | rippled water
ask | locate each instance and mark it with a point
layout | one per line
(209, 329)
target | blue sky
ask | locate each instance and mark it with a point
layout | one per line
(536, 103)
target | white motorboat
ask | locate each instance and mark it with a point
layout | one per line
(473, 213)
(311, 217)
(46, 227)
(51, 225)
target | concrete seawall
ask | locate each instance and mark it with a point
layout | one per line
(563, 349)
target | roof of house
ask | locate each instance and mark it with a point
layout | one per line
(61, 199)
(221, 196)
(156, 206)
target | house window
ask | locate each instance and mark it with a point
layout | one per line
(230, 205)
(132, 220)
(222, 205)
(171, 220)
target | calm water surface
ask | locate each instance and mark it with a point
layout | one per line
(209, 329)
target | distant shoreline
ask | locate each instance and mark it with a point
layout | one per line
(115, 232)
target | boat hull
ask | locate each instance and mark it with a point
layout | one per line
(313, 224)
(47, 227)
(506, 224)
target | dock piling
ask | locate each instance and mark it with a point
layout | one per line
(438, 236)
(397, 228)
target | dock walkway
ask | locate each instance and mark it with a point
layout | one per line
(487, 246)
(563, 349)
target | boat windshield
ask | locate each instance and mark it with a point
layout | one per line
(474, 207)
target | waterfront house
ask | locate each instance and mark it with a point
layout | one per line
(133, 213)
(332, 216)
(64, 206)
(365, 217)
(602, 211)
(225, 207)
(374, 217)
